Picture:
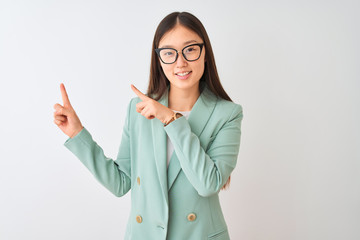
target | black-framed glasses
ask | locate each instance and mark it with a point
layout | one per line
(170, 55)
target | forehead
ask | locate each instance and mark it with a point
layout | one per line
(179, 36)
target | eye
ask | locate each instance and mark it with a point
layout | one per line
(191, 49)
(168, 53)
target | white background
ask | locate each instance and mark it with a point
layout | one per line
(292, 65)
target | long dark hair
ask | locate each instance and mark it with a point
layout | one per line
(158, 82)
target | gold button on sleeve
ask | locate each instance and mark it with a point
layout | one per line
(138, 180)
(191, 217)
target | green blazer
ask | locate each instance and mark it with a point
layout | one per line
(180, 202)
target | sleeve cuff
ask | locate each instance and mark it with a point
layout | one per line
(83, 136)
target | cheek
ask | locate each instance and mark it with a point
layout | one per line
(200, 68)
(201, 65)
(166, 69)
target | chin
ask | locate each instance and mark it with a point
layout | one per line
(184, 85)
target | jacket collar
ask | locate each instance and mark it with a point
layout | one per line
(199, 115)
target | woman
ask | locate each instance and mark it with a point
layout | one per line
(180, 141)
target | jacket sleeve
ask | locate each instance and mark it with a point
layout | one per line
(114, 175)
(207, 171)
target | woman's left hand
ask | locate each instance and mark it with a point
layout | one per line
(150, 108)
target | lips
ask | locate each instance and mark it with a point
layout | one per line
(181, 74)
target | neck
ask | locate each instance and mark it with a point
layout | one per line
(182, 99)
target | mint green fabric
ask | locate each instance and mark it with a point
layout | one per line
(206, 151)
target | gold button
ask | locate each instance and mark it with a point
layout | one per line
(139, 219)
(191, 217)
(138, 180)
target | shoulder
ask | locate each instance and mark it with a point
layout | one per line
(131, 107)
(132, 103)
(223, 108)
(228, 109)
(228, 105)
(135, 100)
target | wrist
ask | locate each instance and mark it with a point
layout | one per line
(169, 116)
(175, 116)
(77, 132)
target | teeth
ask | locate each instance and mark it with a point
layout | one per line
(182, 74)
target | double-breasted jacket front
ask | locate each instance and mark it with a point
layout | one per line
(178, 202)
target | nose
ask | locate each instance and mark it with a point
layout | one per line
(181, 61)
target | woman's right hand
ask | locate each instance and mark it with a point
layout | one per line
(65, 116)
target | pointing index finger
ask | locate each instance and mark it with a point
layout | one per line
(64, 95)
(140, 94)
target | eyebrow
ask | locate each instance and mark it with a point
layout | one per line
(185, 43)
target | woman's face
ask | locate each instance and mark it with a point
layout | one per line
(182, 74)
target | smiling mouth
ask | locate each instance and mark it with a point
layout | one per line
(183, 73)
